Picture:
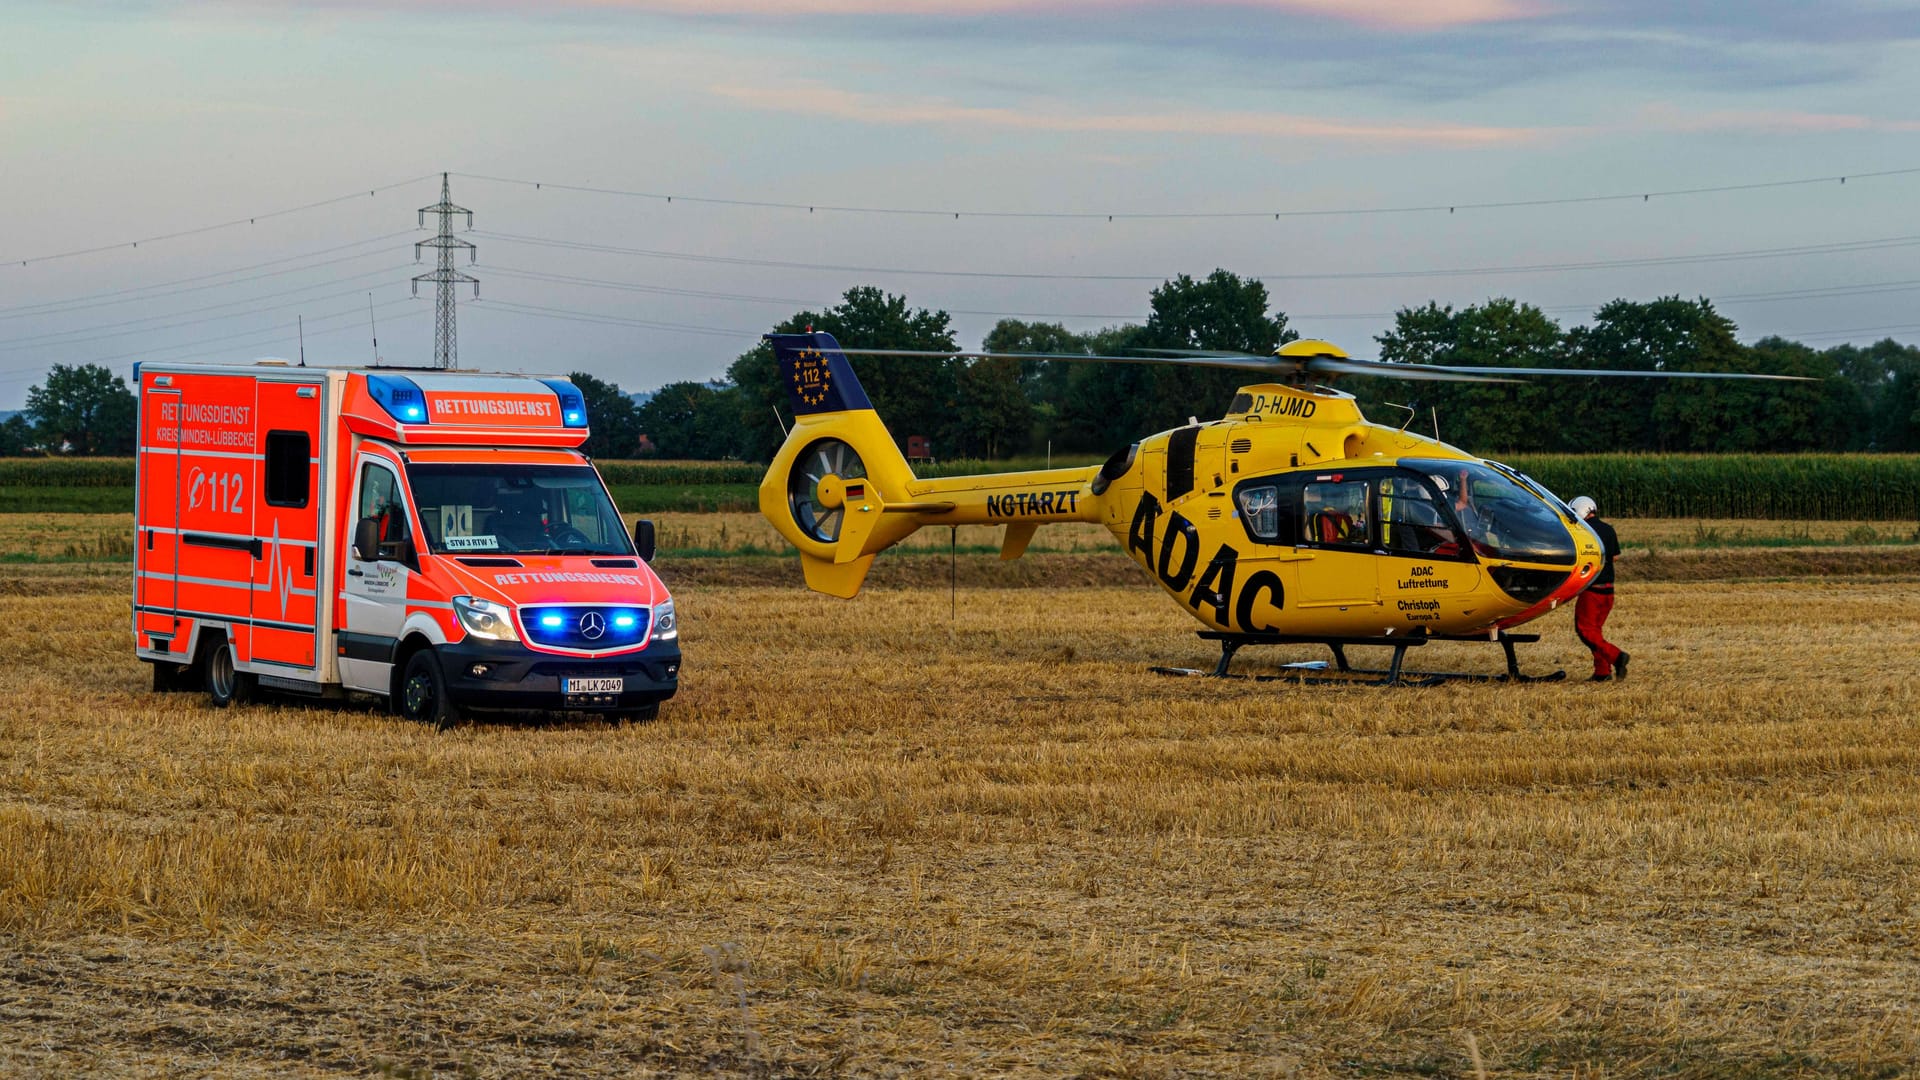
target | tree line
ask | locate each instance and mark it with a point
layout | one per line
(1862, 399)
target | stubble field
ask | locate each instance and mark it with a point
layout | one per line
(869, 838)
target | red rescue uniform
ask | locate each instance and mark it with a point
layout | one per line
(1591, 610)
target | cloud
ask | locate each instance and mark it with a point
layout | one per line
(815, 100)
(1764, 121)
(1384, 14)
(1416, 15)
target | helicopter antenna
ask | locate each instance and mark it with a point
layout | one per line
(1436, 422)
(777, 420)
(1411, 413)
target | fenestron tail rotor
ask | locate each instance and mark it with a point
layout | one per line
(820, 514)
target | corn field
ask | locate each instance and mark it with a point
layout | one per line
(1780, 487)
(1807, 487)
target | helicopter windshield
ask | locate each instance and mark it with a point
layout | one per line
(1502, 519)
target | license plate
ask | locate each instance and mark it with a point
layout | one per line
(595, 686)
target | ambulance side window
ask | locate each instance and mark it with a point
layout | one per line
(380, 500)
(288, 473)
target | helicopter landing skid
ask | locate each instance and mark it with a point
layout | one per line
(1395, 674)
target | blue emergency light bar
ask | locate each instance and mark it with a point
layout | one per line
(400, 396)
(573, 404)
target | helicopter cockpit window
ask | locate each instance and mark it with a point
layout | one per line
(1335, 512)
(1501, 518)
(1412, 522)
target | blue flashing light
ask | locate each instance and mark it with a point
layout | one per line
(552, 622)
(624, 622)
(573, 404)
(400, 396)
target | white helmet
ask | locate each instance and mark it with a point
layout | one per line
(1583, 507)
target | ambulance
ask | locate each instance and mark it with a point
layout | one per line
(435, 538)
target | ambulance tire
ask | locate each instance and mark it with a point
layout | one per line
(421, 695)
(226, 686)
(171, 678)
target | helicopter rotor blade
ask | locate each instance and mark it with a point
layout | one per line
(1327, 365)
(1620, 373)
(1237, 361)
(1282, 366)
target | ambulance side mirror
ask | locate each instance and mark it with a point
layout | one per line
(366, 539)
(643, 539)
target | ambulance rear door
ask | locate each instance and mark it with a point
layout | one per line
(157, 534)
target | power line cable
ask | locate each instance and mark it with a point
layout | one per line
(79, 303)
(611, 320)
(16, 346)
(22, 341)
(663, 290)
(248, 220)
(1836, 248)
(233, 340)
(1188, 215)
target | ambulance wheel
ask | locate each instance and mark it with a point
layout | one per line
(422, 694)
(170, 677)
(225, 685)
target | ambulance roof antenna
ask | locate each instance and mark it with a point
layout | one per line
(446, 348)
(375, 330)
(301, 322)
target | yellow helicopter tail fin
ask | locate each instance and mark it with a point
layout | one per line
(838, 488)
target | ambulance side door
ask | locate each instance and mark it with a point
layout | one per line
(375, 590)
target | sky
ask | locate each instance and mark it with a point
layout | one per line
(211, 181)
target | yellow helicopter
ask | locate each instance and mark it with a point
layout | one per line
(1291, 519)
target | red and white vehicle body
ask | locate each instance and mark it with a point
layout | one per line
(433, 537)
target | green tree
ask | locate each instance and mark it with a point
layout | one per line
(687, 420)
(991, 411)
(1105, 406)
(1045, 382)
(914, 395)
(16, 436)
(83, 410)
(614, 429)
(1626, 335)
(1718, 415)
(1819, 415)
(1488, 417)
(1887, 377)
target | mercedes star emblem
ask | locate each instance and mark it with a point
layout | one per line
(592, 625)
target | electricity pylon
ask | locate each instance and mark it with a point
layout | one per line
(446, 347)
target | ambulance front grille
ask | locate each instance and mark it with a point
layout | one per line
(587, 626)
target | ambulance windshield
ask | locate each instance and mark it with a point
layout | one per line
(516, 509)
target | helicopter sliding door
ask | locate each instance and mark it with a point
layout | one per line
(1337, 527)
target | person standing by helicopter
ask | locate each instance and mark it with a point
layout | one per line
(1590, 611)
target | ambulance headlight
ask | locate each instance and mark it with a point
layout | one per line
(664, 626)
(485, 619)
